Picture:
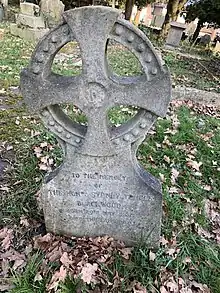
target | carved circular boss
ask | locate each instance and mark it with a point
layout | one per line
(97, 89)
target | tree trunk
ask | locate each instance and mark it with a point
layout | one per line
(128, 9)
(197, 31)
(173, 9)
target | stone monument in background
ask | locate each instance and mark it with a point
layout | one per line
(34, 21)
(175, 35)
(100, 188)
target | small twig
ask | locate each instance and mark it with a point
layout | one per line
(215, 78)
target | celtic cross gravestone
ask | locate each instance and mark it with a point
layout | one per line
(100, 188)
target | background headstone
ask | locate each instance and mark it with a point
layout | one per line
(5, 7)
(174, 35)
(30, 24)
(100, 188)
(52, 11)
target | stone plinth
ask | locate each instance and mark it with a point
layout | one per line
(174, 35)
(100, 188)
(30, 24)
(27, 34)
(29, 9)
(30, 21)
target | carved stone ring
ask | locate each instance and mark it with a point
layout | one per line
(97, 89)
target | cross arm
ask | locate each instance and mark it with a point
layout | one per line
(153, 96)
(39, 92)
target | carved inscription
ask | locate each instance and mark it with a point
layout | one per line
(103, 199)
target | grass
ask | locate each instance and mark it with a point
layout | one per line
(191, 72)
(180, 137)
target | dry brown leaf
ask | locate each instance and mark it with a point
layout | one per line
(172, 286)
(6, 242)
(138, 288)
(37, 150)
(163, 241)
(194, 165)
(65, 260)
(174, 175)
(88, 271)
(43, 167)
(163, 290)
(207, 187)
(58, 276)
(43, 144)
(166, 159)
(126, 252)
(43, 242)
(173, 190)
(18, 263)
(3, 233)
(24, 221)
(152, 256)
(162, 177)
(171, 251)
(38, 277)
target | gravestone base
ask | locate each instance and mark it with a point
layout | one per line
(30, 21)
(93, 196)
(26, 33)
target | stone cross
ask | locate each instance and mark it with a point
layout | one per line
(100, 188)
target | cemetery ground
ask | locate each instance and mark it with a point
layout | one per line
(183, 150)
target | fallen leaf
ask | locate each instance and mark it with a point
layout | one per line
(173, 190)
(18, 263)
(43, 144)
(88, 271)
(195, 165)
(65, 260)
(166, 159)
(174, 175)
(172, 286)
(43, 167)
(126, 252)
(138, 288)
(57, 277)
(152, 256)
(207, 187)
(163, 290)
(38, 277)
(171, 251)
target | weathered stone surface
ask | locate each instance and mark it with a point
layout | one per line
(52, 10)
(100, 188)
(196, 95)
(27, 34)
(174, 35)
(30, 21)
(29, 9)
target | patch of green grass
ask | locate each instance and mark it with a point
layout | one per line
(189, 72)
(25, 282)
(191, 252)
(23, 133)
(122, 62)
(14, 56)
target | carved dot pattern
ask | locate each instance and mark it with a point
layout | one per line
(141, 47)
(130, 38)
(123, 35)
